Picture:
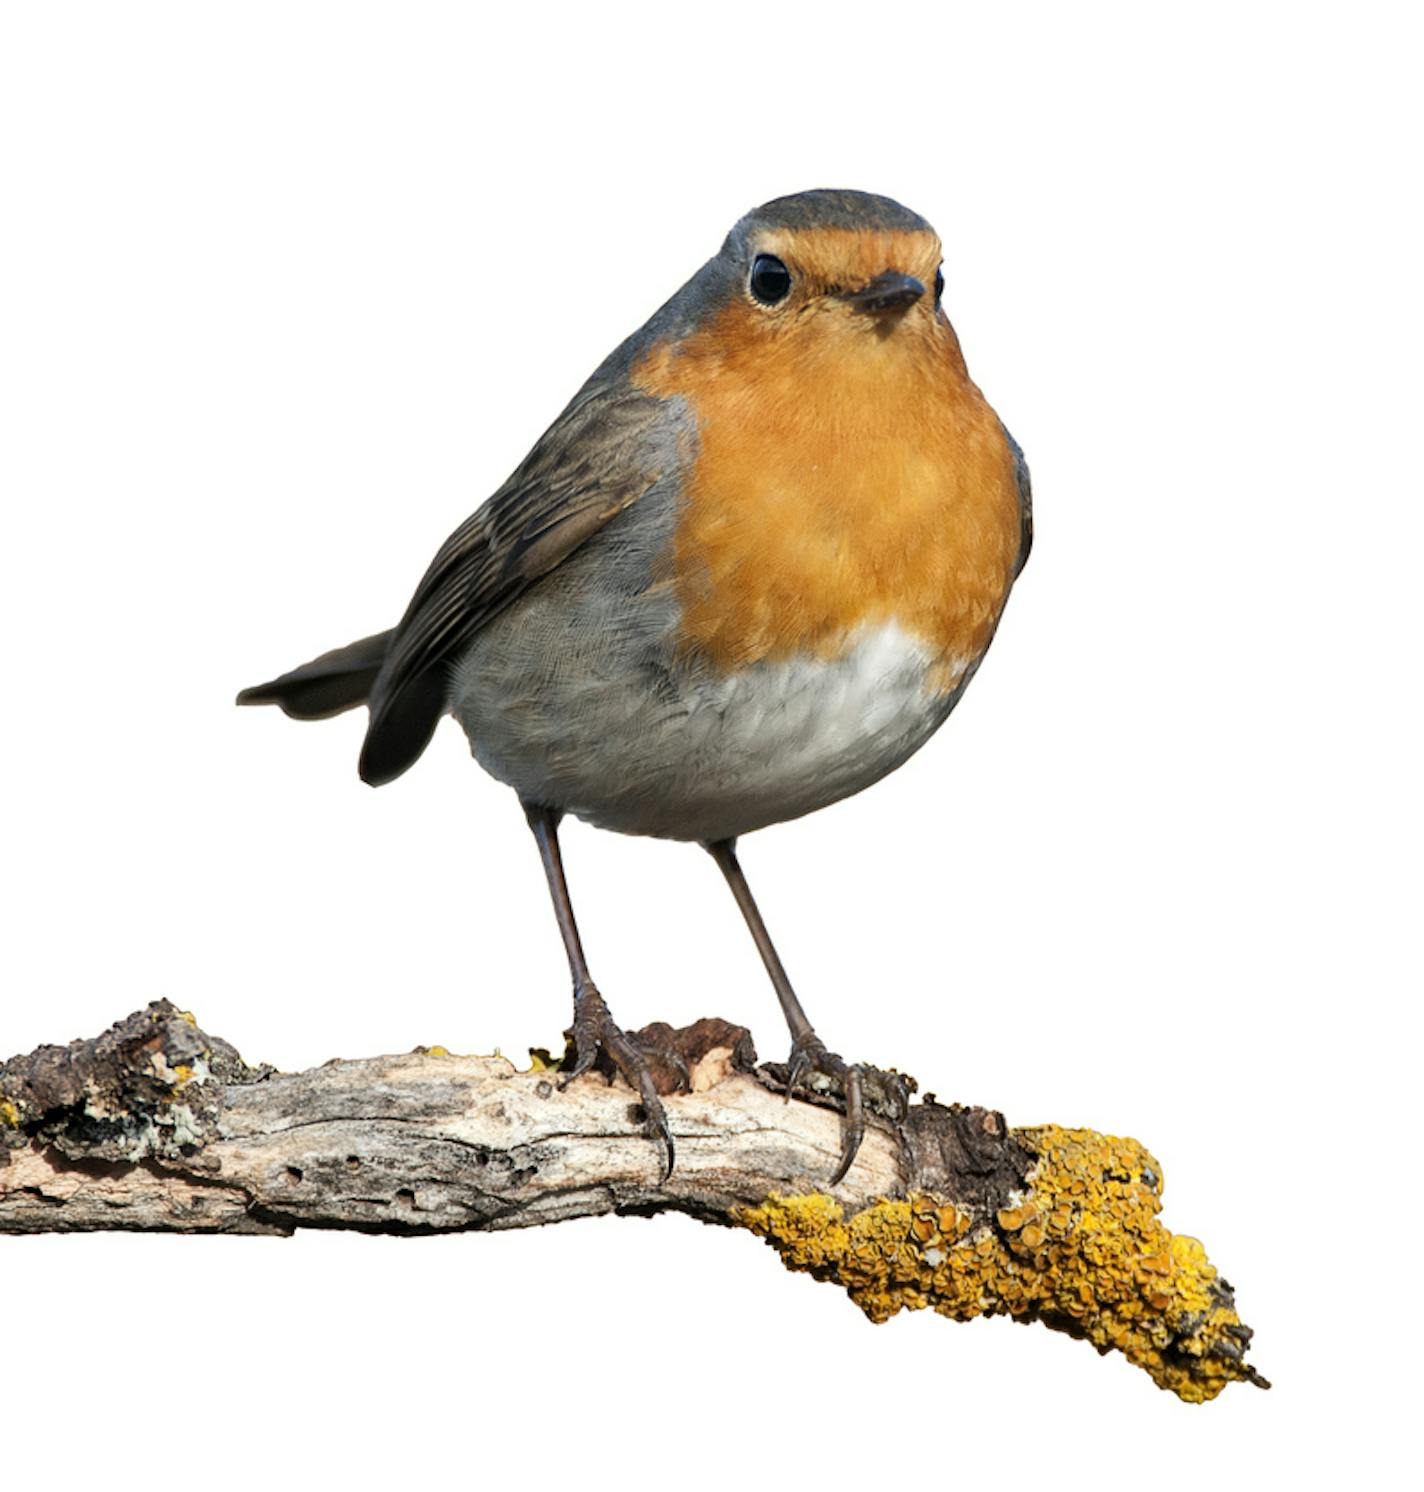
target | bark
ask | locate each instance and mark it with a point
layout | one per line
(157, 1126)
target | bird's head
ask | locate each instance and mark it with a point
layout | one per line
(835, 290)
(835, 273)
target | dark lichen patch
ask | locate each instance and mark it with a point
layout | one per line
(965, 1152)
(1080, 1248)
(885, 1092)
(151, 1084)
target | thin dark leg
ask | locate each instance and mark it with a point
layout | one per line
(808, 1051)
(545, 824)
(724, 852)
(593, 1027)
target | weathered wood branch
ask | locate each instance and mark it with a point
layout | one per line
(157, 1126)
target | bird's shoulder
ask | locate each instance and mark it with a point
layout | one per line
(611, 445)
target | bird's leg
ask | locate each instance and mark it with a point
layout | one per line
(808, 1051)
(593, 1028)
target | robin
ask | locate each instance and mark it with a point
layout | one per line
(748, 571)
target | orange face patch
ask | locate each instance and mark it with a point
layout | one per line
(846, 258)
(848, 472)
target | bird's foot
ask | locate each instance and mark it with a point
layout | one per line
(645, 1064)
(858, 1087)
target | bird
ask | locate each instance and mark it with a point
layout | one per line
(748, 571)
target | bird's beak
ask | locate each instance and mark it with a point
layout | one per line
(886, 293)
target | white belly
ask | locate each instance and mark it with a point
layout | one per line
(688, 754)
(780, 739)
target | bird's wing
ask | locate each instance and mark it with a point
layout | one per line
(1025, 503)
(598, 458)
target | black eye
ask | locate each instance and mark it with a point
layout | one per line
(771, 280)
(939, 285)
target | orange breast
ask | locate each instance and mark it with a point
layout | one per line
(845, 476)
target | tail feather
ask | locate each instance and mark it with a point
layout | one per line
(338, 680)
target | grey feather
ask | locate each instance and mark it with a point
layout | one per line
(337, 681)
(600, 456)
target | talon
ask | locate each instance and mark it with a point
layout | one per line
(593, 1030)
(583, 1059)
(584, 1043)
(655, 1120)
(795, 1071)
(853, 1131)
(582, 1062)
(634, 1066)
(808, 1054)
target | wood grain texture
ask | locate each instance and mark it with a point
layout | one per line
(157, 1126)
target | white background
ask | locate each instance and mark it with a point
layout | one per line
(287, 289)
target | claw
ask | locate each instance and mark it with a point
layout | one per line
(853, 1131)
(634, 1067)
(583, 1060)
(585, 1052)
(809, 1054)
(593, 1030)
(797, 1069)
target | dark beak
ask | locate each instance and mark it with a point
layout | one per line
(887, 292)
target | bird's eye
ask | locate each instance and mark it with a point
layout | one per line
(771, 280)
(939, 286)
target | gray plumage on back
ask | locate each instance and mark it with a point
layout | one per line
(600, 456)
(607, 448)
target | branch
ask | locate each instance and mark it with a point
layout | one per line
(157, 1126)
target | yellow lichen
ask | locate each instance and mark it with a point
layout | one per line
(9, 1114)
(1082, 1251)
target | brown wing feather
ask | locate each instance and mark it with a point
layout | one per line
(593, 462)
